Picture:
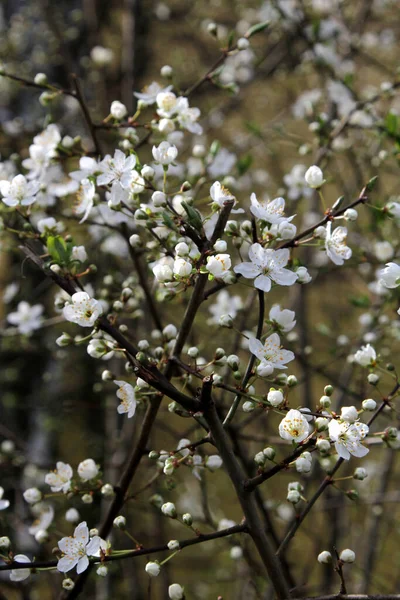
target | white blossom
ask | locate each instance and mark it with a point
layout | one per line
(27, 318)
(294, 427)
(3, 503)
(347, 438)
(366, 356)
(219, 265)
(271, 211)
(116, 168)
(335, 244)
(60, 479)
(83, 310)
(220, 195)
(283, 320)
(126, 394)
(224, 304)
(77, 548)
(271, 354)
(165, 153)
(267, 265)
(19, 191)
(149, 93)
(20, 574)
(85, 199)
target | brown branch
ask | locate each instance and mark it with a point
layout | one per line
(247, 501)
(202, 537)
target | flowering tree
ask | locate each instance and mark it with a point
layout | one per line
(129, 243)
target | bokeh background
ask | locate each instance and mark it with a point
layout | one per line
(271, 110)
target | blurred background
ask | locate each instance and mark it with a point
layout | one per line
(271, 110)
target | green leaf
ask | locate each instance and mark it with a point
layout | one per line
(244, 164)
(59, 249)
(371, 184)
(391, 123)
(194, 218)
(361, 301)
(257, 28)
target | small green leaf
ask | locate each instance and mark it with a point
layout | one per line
(194, 217)
(371, 184)
(360, 301)
(257, 28)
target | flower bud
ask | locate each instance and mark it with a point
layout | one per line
(87, 469)
(220, 246)
(176, 592)
(64, 340)
(147, 172)
(212, 29)
(233, 362)
(193, 352)
(291, 380)
(328, 390)
(213, 462)
(187, 519)
(166, 71)
(324, 557)
(325, 401)
(118, 110)
(5, 542)
(153, 569)
(102, 571)
(352, 494)
(32, 495)
(182, 249)
(248, 406)
(275, 397)
(368, 404)
(120, 522)
(269, 453)
(314, 177)
(107, 490)
(373, 378)
(169, 510)
(87, 499)
(347, 556)
(173, 545)
(260, 459)
(293, 496)
(41, 536)
(350, 214)
(225, 321)
(243, 43)
(360, 473)
(321, 423)
(40, 79)
(323, 445)
(159, 199)
(72, 515)
(236, 552)
(135, 240)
